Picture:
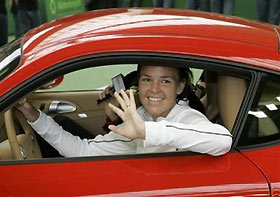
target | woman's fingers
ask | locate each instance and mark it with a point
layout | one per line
(120, 100)
(134, 126)
(105, 92)
(132, 100)
(118, 111)
(125, 102)
(125, 98)
(116, 129)
(102, 95)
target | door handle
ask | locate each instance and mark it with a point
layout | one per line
(62, 107)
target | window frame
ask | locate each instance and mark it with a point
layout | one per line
(262, 79)
(129, 57)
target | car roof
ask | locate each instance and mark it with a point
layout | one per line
(157, 30)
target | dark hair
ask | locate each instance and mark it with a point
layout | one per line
(184, 74)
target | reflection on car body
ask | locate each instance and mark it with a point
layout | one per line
(241, 76)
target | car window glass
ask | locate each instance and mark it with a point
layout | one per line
(262, 124)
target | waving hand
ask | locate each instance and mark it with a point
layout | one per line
(134, 125)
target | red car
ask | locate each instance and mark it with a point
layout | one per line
(62, 66)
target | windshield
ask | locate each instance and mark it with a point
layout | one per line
(9, 57)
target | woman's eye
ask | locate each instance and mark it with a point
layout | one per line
(165, 81)
(146, 79)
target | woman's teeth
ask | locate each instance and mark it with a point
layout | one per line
(154, 99)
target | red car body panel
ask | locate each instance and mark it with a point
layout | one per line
(268, 161)
(167, 176)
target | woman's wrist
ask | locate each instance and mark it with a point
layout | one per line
(32, 116)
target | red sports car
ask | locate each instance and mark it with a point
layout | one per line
(62, 66)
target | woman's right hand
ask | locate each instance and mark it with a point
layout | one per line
(106, 91)
(28, 110)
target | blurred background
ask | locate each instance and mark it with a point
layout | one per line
(51, 9)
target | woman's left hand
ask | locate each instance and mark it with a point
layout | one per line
(133, 125)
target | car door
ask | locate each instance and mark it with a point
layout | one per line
(169, 174)
(260, 139)
(144, 175)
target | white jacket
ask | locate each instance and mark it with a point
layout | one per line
(183, 129)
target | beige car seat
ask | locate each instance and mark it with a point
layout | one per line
(231, 91)
(224, 95)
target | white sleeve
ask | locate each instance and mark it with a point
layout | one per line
(199, 135)
(72, 146)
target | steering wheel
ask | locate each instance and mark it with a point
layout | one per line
(23, 146)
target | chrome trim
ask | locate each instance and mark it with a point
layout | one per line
(62, 107)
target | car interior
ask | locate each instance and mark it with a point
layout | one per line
(220, 93)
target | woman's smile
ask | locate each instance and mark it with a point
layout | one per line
(155, 99)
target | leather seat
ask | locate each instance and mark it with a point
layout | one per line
(231, 91)
(224, 95)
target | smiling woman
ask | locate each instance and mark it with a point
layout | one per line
(150, 128)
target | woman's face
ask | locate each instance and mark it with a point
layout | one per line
(158, 89)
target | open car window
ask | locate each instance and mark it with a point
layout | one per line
(92, 78)
(73, 102)
(97, 78)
